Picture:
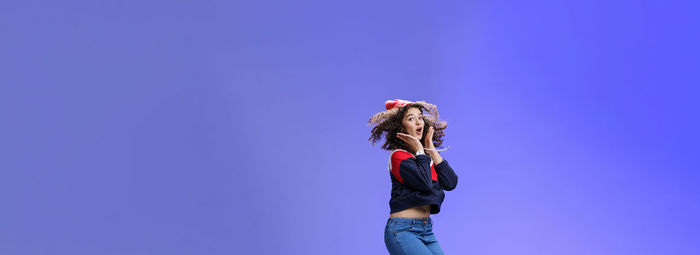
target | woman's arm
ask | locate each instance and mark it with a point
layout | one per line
(435, 155)
(447, 178)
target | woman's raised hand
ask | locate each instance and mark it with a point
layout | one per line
(429, 138)
(413, 142)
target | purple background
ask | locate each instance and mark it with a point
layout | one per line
(220, 127)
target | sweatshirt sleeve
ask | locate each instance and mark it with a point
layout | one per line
(414, 172)
(446, 176)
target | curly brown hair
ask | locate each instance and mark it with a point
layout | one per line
(390, 122)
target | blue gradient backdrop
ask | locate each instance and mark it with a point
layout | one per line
(230, 127)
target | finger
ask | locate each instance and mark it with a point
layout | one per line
(409, 139)
(401, 137)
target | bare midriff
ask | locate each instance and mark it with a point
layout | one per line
(421, 211)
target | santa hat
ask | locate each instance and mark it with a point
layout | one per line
(390, 104)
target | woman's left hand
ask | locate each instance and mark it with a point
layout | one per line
(430, 147)
(429, 138)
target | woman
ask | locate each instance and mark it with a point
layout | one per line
(418, 174)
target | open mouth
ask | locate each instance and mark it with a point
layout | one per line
(419, 131)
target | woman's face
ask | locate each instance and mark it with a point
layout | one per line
(413, 122)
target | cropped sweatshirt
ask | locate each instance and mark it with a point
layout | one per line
(415, 181)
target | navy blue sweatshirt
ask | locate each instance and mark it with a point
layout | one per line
(416, 180)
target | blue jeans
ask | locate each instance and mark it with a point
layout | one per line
(411, 236)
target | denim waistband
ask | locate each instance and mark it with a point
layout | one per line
(412, 221)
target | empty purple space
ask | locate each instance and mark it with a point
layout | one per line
(240, 127)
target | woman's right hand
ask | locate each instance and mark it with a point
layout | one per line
(413, 143)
